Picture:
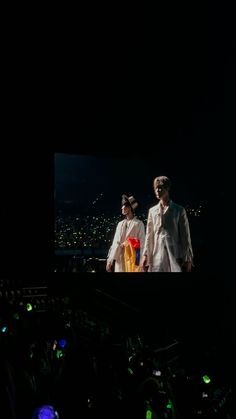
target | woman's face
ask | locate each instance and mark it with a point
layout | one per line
(125, 209)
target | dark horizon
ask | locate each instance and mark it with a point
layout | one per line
(91, 182)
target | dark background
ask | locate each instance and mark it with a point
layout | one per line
(136, 78)
(132, 77)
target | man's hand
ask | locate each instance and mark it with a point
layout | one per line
(187, 266)
(143, 264)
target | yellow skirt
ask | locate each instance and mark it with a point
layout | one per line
(130, 258)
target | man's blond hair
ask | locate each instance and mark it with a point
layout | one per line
(162, 181)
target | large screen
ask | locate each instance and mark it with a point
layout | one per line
(88, 191)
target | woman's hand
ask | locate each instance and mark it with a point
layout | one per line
(109, 266)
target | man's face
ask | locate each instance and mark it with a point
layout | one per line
(160, 191)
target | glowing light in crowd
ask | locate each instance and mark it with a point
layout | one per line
(62, 343)
(45, 412)
(206, 379)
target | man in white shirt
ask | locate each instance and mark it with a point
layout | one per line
(167, 245)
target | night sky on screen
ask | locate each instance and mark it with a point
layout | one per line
(96, 183)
